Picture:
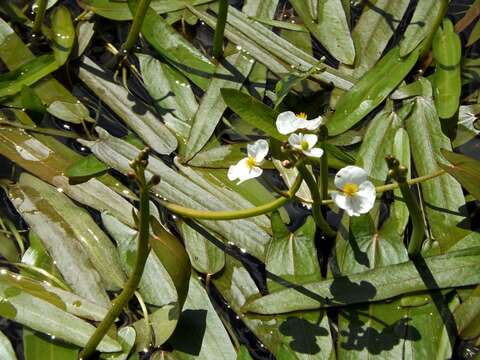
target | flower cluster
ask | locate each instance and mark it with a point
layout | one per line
(355, 193)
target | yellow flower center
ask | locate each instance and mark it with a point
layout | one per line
(251, 162)
(304, 145)
(350, 189)
(302, 115)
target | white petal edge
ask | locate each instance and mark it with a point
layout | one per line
(235, 171)
(314, 124)
(311, 139)
(350, 174)
(251, 174)
(258, 150)
(315, 152)
(286, 122)
(295, 140)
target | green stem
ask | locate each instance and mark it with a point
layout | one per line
(38, 22)
(317, 200)
(418, 233)
(140, 12)
(220, 29)
(324, 173)
(417, 180)
(235, 214)
(132, 284)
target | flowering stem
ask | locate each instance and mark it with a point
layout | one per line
(323, 134)
(132, 36)
(139, 165)
(235, 214)
(317, 199)
(220, 29)
(38, 22)
(399, 174)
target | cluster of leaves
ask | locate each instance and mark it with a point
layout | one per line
(396, 80)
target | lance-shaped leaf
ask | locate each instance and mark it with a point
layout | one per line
(372, 33)
(330, 28)
(177, 50)
(156, 286)
(442, 196)
(35, 344)
(172, 95)
(40, 315)
(63, 34)
(126, 339)
(457, 268)
(447, 53)
(151, 130)
(229, 74)
(119, 10)
(14, 53)
(467, 314)
(427, 16)
(467, 124)
(179, 189)
(465, 169)
(27, 74)
(64, 300)
(370, 90)
(200, 331)
(87, 249)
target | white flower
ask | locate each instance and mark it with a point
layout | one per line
(357, 194)
(305, 143)
(288, 122)
(248, 168)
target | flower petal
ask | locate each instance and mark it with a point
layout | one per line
(287, 122)
(346, 203)
(313, 124)
(258, 150)
(350, 174)
(365, 197)
(251, 174)
(296, 140)
(236, 171)
(315, 152)
(311, 139)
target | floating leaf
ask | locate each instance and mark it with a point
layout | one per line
(72, 112)
(6, 350)
(465, 169)
(35, 344)
(370, 90)
(126, 339)
(87, 167)
(144, 123)
(63, 34)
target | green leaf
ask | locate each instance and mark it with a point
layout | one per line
(467, 315)
(8, 248)
(36, 255)
(230, 73)
(179, 189)
(156, 286)
(87, 167)
(15, 54)
(172, 95)
(243, 354)
(35, 344)
(63, 34)
(370, 90)
(474, 35)
(330, 28)
(253, 111)
(442, 196)
(84, 31)
(72, 238)
(119, 10)
(447, 53)
(465, 169)
(420, 87)
(38, 314)
(71, 112)
(457, 268)
(27, 74)
(177, 50)
(126, 338)
(6, 350)
(205, 257)
(199, 317)
(162, 322)
(292, 256)
(152, 131)
(466, 126)
(427, 16)
(372, 33)
(31, 101)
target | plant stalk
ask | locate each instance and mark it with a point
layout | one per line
(220, 29)
(132, 284)
(317, 200)
(142, 7)
(235, 214)
(39, 16)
